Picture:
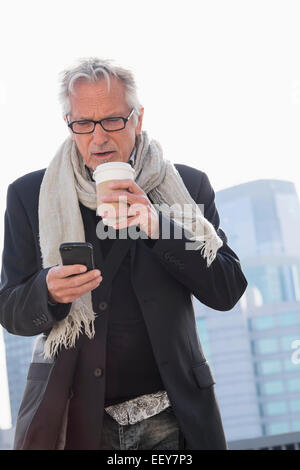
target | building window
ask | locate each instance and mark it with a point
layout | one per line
(270, 367)
(295, 405)
(293, 385)
(267, 280)
(289, 365)
(296, 425)
(263, 323)
(286, 342)
(288, 318)
(275, 408)
(267, 346)
(278, 428)
(274, 387)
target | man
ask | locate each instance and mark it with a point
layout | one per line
(119, 364)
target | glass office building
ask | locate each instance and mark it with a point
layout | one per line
(18, 355)
(253, 348)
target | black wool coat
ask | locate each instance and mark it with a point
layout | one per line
(63, 403)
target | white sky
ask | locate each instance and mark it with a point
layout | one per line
(219, 80)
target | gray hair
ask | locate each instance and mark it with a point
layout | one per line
(94, 69)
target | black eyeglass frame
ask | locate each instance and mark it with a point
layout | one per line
(124, 119)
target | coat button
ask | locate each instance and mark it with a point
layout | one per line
(97, 372)
(103, 306)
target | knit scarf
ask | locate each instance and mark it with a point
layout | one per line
(66, 182)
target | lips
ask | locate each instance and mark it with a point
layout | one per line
(102, 154)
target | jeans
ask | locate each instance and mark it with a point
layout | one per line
(160, 432)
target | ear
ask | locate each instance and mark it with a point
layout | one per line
(138, 129)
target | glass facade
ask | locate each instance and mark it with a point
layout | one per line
(18, 356)
(203, 335)
(270, 367)
(295, 405)
(293, 384)
(250, 347)
(274, 387)
(287, 340)
(275, 283)
(278, 427)
(289, 318)
(264, 322)
(267, 346)
(276, 408)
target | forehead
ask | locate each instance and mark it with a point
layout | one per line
(91, 99)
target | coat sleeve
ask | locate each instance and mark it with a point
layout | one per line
(222, 284)
(24, 307)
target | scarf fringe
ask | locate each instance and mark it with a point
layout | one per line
(197, 229)
(66, 332)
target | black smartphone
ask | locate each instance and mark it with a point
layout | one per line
(77, 253)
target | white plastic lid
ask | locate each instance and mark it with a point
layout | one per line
(124, 168)
(110, 165)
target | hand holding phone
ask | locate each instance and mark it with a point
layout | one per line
(72, 279)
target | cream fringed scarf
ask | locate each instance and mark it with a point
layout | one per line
(66, 181)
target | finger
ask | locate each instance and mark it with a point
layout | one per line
(134, 220)
(110, 214)
(138, 209)
(78, 291)
(126, 184)
(82, 279)
(118, 196)
(124, 198)
(61, 271)
(107, 209)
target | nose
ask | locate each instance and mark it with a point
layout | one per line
(99, 135)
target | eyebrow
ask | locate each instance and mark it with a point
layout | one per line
(84, 118)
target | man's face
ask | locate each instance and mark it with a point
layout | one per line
(92, 101)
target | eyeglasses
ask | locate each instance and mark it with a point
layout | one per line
(87, 126)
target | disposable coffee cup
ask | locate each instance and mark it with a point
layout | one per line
(103, 175)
